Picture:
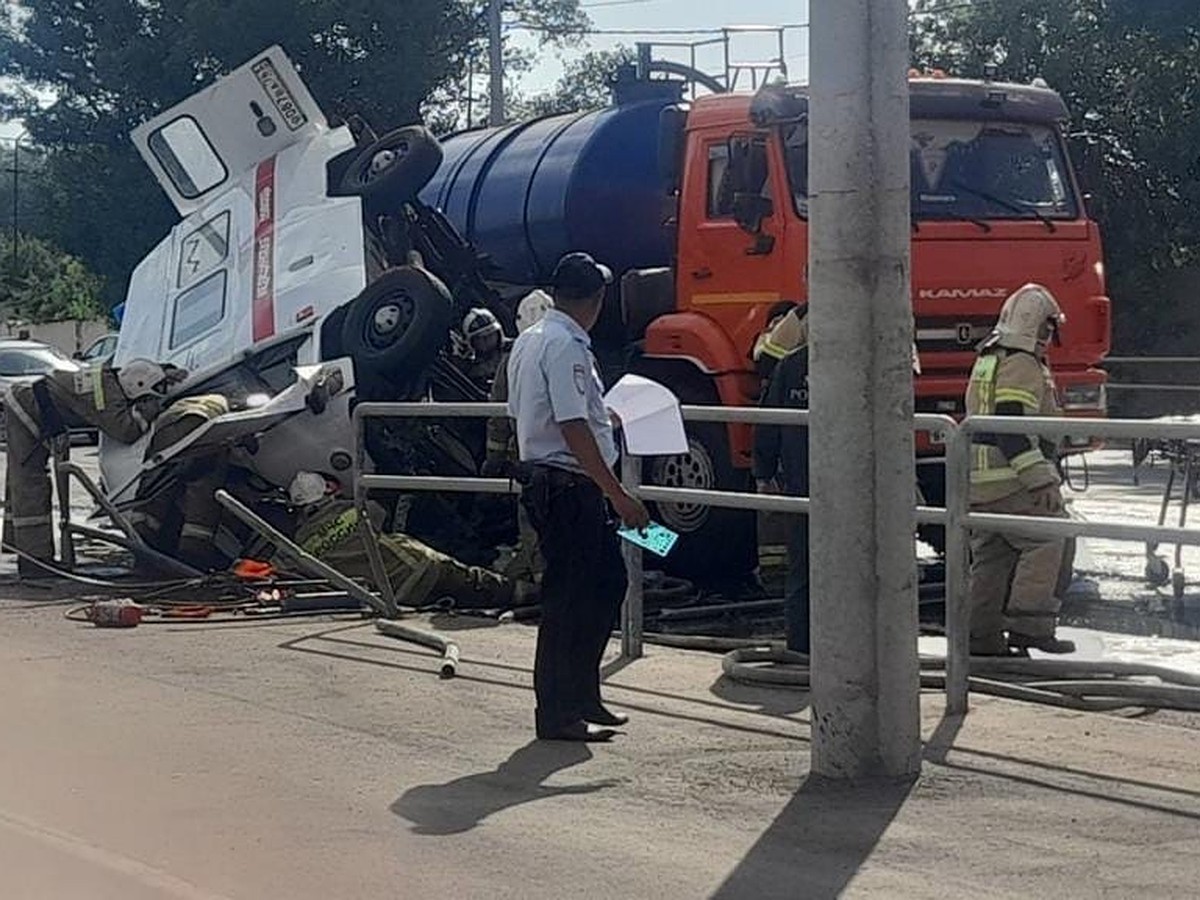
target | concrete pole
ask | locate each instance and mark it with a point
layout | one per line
(865, 677)
(495, 65)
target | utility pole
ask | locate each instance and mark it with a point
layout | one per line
(16, 209)
(495, 65)
(865, 675)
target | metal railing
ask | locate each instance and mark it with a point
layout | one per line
(956, 516)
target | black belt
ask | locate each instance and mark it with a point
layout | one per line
(526, 474)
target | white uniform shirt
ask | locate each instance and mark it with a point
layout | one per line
(552, 379)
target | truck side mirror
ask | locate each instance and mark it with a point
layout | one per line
(748, 171)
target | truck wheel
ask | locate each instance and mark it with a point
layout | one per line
(394, 168)
(713, 543)
(397, 325)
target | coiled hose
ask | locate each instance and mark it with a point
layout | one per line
(1071, 684)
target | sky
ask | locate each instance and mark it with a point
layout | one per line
(652, 15)
(655, 15)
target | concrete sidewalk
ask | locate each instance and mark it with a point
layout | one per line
(320, 760)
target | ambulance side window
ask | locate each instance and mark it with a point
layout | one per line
(187, 156)
(198, 310)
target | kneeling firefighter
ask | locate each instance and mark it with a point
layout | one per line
(1014, 579)
(177, 513)
(120, 402)
(420, 575)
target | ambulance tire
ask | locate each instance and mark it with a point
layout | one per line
(714, 544)
(413, 156)
(395, 328)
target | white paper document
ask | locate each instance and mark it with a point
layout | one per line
(650, 417)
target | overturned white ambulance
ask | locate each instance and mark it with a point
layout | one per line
(302, 261)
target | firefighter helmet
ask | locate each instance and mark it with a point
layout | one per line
(1028, 320)
(531, 309)
(140, 377)
(479, 323)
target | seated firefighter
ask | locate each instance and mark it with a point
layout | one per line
(328, 528)
(120, 402)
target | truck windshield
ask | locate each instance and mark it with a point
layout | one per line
(969, 171)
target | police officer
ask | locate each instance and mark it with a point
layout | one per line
(565, 439)
(1014, 578)
(781, 464)
(328, 529)
(121, 403)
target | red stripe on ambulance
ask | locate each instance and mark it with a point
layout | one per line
(264, 251)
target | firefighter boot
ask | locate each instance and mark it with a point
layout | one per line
(1047, 644)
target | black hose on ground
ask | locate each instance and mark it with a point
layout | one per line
(1072, 684)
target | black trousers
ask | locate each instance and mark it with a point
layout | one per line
(582, 589)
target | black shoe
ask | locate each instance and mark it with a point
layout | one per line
(602, 716)
(1006, 653)
(580, 732)
(1049, 644)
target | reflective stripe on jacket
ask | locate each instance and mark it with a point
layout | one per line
(1005, 382)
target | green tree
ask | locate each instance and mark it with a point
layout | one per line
(41, 283)
(1129, 71)
(585, 84)
(111, 64)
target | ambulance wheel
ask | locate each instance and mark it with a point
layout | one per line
(394, 168)
(713, 543)
(397, 325)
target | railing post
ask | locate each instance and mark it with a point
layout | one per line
(632, 611)
(958, 564)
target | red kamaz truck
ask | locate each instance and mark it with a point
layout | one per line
(702, 208)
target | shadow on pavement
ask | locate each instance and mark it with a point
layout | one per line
(460, 805)
(818, 842)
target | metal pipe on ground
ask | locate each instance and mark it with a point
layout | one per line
(310, 565)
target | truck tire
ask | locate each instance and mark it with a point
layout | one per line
(714, 544)
(393, 170)
(397, 325)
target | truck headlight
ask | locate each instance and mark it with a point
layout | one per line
(1078, 397)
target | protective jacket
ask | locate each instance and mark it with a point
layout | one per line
(1008, 382)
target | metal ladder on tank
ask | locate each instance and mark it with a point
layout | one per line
(736, 74)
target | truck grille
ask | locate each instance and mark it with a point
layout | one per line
(952, 334)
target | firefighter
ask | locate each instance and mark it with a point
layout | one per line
(781, 465)
(787, 329)
(526, 565)
(328, 529)
(120, 402)
(1014, 578)
(181, 517)
(488, 345)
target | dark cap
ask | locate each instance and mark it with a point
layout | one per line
(577, 277)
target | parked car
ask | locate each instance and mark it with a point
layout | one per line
(24, 361)
(98, 351)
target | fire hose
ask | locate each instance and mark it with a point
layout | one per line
(1093, 686)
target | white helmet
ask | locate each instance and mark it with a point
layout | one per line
(531, 309)
(479, 323)
(306, 488)
(141, 377)
(1028, 319)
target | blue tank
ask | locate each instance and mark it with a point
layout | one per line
(525, 194)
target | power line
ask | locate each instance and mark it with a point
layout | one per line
(604, 3)
(529, 26)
